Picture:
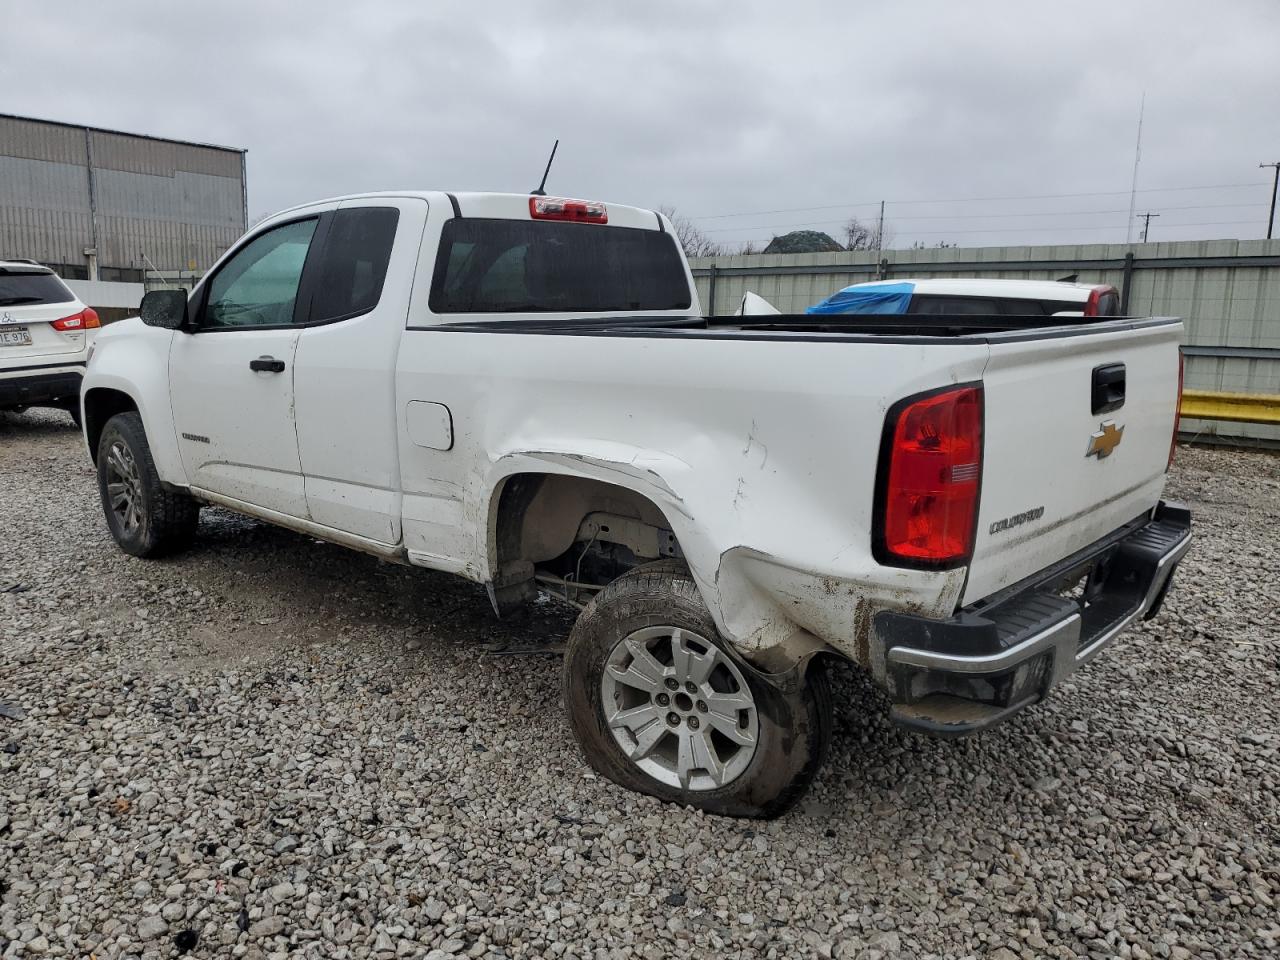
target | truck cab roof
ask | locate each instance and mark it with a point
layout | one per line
(503, 206)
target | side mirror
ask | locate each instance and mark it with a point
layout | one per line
(164, 308)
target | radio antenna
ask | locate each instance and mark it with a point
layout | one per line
(542, 187)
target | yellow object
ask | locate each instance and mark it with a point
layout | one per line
(1241, 407)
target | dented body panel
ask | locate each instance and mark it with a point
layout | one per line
(731, 440)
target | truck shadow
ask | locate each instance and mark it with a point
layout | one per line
(296, 590)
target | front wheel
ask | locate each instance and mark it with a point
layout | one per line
(660, 703)
(145, 519)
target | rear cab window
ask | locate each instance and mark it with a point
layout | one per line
(531, 266)
(23, 288)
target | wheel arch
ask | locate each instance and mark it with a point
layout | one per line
(535, 514)
(100, 405)
(749, 616)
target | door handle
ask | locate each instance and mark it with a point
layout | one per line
(1108, 388)
(267, 365)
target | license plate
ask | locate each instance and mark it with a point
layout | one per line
(15, 337)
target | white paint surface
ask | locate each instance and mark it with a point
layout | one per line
(761, 453)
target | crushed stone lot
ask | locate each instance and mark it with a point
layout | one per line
(270, 746)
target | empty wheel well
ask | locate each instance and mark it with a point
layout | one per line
(572, 534)
(100, 405)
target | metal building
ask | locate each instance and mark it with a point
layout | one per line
(103, 205)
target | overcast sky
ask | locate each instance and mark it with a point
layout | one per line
(730, 108)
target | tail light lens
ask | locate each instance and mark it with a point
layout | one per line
(86, 319)
(930, 477)
(1177, 410)
(555, 208)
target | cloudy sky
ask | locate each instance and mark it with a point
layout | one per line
(979, 122)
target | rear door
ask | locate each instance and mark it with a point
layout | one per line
(31, 300)
(1076, 443)
(344, 375)
(231, 378)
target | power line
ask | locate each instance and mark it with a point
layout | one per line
(1029, 196)
(982, 216)
(1196, 223)
(1017, 229)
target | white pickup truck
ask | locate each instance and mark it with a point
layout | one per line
(522, 390)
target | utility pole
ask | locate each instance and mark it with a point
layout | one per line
(1275, 182)
(880, 228)
(1137, 157)
(1146, 226)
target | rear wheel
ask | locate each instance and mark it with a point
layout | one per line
(145, 519)
(660, 703)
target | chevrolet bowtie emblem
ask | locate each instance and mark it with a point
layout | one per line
(1105, 440)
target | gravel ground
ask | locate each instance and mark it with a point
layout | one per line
(272, 746)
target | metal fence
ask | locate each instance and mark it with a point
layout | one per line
(1227, 292)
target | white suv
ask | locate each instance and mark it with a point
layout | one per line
(45, 334)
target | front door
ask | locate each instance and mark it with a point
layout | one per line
(231, 378)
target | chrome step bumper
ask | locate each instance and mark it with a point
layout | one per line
(957, 676)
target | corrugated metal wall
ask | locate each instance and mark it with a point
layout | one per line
(1227, 291)
(157, 202)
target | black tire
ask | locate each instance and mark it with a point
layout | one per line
(162, 521)
(793, 723)
(74, 410)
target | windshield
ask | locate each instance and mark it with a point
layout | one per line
(530, 266)
(19, 288)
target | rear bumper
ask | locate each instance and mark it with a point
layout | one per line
(957, 676)
(33, 386)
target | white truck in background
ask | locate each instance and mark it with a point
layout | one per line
(522, 390)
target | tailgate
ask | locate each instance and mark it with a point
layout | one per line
(28, 333)
(1056, 475)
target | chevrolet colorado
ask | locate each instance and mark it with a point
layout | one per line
(521, 390)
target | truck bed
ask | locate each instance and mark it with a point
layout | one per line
(1046, 490)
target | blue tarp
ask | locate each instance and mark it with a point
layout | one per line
(881, 298)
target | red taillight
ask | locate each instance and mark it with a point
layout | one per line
(1177, 410)
(1091, 305)
(1103, 301)
(86, 319)
(930, 476)
(555, 208)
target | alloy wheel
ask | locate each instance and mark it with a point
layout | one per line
(124, 487)
(679, 708)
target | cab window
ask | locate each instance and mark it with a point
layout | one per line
(353, 262)
(520, 266)
(258, 286)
